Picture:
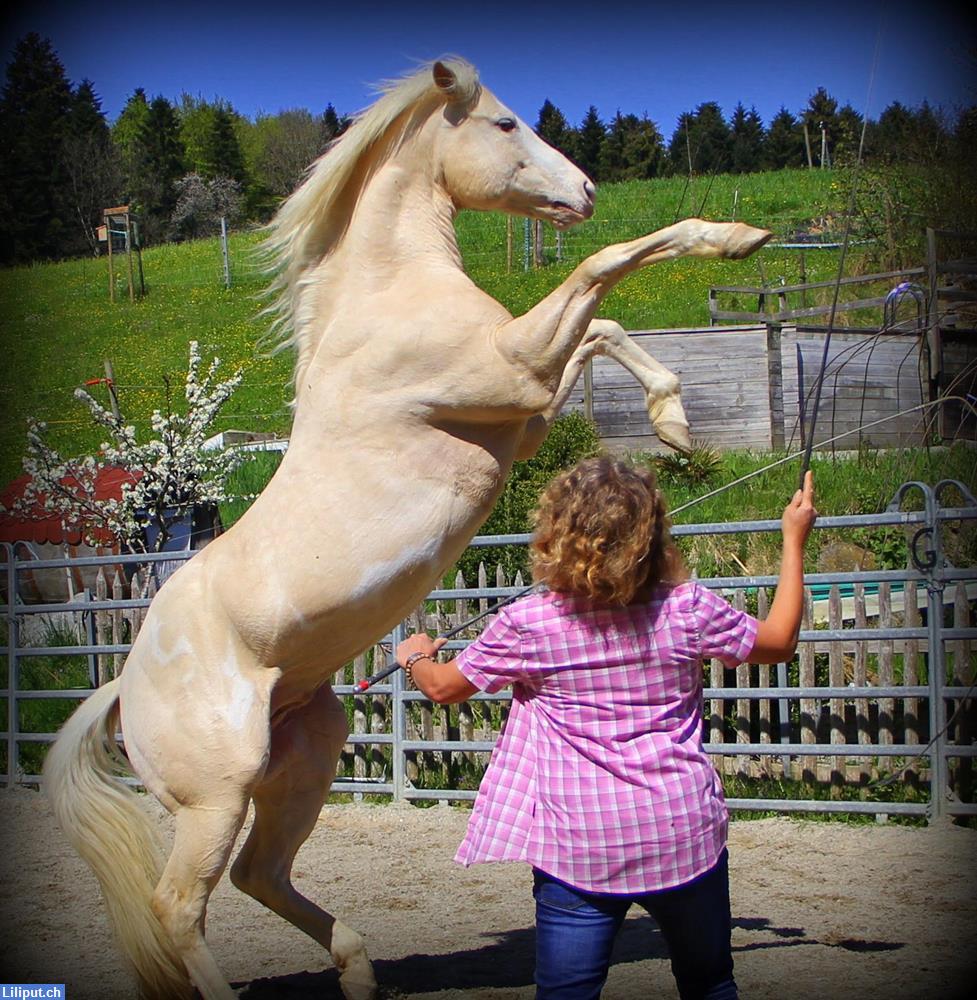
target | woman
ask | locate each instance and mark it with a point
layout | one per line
(600, 780)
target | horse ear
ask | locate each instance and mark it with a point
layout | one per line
(444, 78)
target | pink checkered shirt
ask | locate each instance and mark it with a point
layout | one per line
(600, 778)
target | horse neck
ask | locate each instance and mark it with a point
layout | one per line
(403, 221)
(404, 217)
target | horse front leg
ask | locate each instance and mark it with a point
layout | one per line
(543, 339)
(661, 385)
(663, 391)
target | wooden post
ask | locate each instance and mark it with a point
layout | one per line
(588, 389)
(775, 386)
(766, 726)
(378, 720)
(113, 396)
(887, 706)
(108, 240)
(359, 718)
(836, 678)
(717, 708)
(224, 253)
(135, 237)
(102, 625)
(807, 146)
(809, 706)
(538, 258)
(132, 277)
(860, 677)
(118, 593)
(743, 705)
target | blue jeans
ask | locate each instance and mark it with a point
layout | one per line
(575, 932)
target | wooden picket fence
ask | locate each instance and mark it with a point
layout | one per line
(861, 722)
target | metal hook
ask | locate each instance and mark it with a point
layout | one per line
(929, 562)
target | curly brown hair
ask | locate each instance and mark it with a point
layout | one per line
(601, 531)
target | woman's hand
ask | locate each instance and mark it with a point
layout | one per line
(419, 643)
(441, 682)
(776, 637)
(800, 514)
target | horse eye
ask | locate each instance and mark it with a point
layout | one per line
(506, 124)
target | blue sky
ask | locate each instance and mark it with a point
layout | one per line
(648, 58)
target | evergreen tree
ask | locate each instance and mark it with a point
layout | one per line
(848, 136)
(587, 143)
(632, 149)
(126, 133)
(85, 114)
(784, 144)
(91, 165)
(701, 142)
(746, 130)
(680, 145)
(196, 117)
(222, 156)
(35, 106)
(892, 134)
(552, 127)
(159, 164)
(332, 125)
(644, 150)
(821, 118)
(930, 133)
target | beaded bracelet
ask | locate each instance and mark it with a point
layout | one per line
(409, 665)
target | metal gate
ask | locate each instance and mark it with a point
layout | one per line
(936, 630)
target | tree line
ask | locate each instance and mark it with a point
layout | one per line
(704, 142)
(183, 165)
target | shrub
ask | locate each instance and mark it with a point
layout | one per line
(571, 438)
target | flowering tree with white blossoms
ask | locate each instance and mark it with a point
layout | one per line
(170, 474)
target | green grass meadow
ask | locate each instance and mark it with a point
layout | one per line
(59, 326)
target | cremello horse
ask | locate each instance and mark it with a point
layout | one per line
(414, 393)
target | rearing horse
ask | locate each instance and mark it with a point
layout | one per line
(414, 393)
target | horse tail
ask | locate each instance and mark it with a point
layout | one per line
(102, 820)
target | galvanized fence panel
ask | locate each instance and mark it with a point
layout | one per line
(880, 695)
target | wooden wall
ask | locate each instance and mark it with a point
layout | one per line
(731, 384)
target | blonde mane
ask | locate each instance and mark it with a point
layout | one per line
(311, 222)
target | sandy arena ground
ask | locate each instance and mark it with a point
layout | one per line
(820, 910)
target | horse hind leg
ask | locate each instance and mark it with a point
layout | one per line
(203, 841)
(287, 802)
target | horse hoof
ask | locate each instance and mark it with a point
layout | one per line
(363, 987)
(359, 991)
(675, 434)
(744, 239)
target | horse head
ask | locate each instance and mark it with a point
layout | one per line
(489, 159)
